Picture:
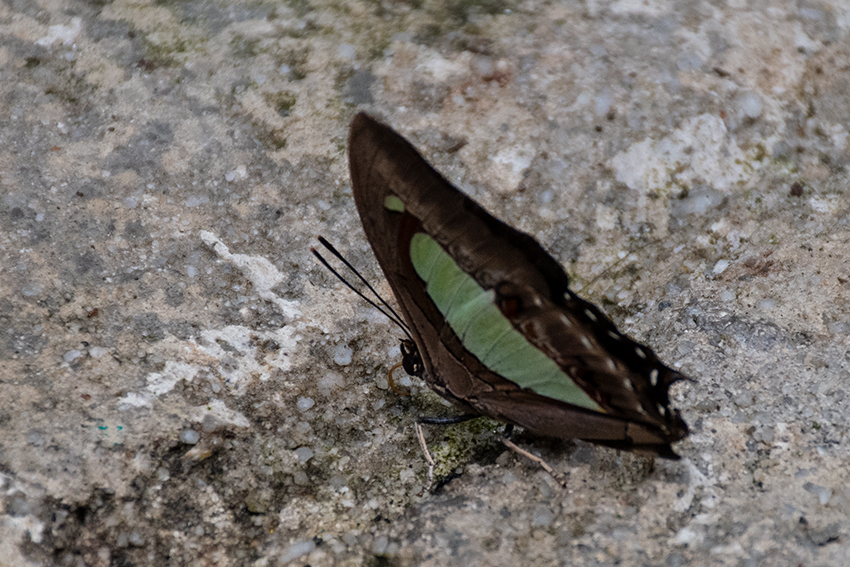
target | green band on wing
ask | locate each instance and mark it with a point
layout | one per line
(484, 331)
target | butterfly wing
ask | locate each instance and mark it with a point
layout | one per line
(556, 365)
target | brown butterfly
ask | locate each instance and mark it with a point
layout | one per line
(494, 326)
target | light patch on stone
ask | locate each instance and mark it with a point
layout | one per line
(98, 351)
(602, 102)
(838, 135)
(720, 266)
(65, 34)
(263, 274)
(652, 8)
(696, 479)
(701, 151)
(439, 68)
(163, 382)
(606, 217)
(235, 371)
(687, 536)
(219, 410)
(247, 342)
(828, 204)
(134, 400)
(342, 355)
(27, 526)
(330, 383)
(238, 174)
(510, 163)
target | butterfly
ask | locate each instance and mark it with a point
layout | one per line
(493, 325)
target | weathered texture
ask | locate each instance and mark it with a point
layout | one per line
(181, 382)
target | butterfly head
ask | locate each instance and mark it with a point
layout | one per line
(411, 360)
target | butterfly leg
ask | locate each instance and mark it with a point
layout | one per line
(559, 478)
(393, 387)
(420, 421)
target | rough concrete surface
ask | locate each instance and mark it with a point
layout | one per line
(182, 383)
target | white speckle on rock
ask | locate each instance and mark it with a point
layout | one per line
(750, 105)
(305, 403)
(330, 383)
(189, 436)
(602, 103)
(482, 66)
(195, 200)
(403, 380)
(406, 475)
(766, 304)
(71, 356)
(823, 493)
(839, 328)
(509, 165)
(720, 266)
(133, 400)
(304, 454)
(31, 289)
(238, 174)
(606, 217)
(163, 382)
(136, 539)
(379, 546)
(297, 550)
(67, 35)
(346, 51)
(98, 351)
(393, 352)
(686, 536)
(342, 355)
(653, 8)
(217, 411)
(827, 204)
(542, 516)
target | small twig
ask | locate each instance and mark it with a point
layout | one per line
(431, 463)
(559, 478)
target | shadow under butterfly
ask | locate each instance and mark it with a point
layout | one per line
(492, 323)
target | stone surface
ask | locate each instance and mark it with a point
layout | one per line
(182, 383)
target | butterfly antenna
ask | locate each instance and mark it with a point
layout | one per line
(392, 315)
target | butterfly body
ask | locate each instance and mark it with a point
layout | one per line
(495, 327)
